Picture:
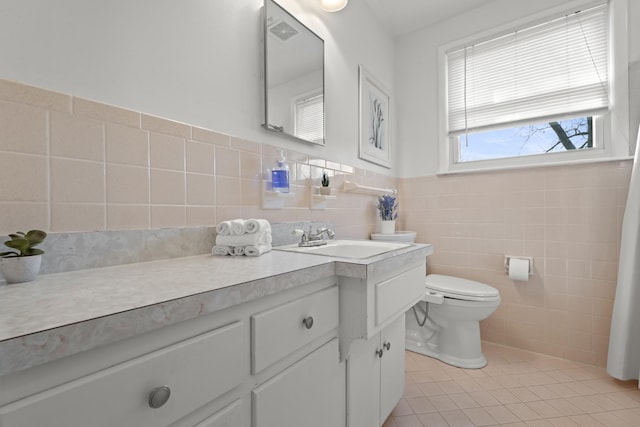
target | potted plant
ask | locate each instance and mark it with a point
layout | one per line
(325, 189)
(22, 263)
(388, 208)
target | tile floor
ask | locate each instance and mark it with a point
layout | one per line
(516, 388)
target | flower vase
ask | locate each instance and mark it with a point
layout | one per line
(20, 269)
(388, 227)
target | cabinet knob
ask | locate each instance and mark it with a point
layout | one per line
(159, 396)
(387, 345)
(380, 352)
(308, 322)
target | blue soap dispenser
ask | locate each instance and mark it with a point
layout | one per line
(280, 175)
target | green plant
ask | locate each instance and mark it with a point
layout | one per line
(325, 179)
(24, 244)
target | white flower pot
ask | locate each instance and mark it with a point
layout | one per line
(20, 269)
(387, 227)
(325, 191)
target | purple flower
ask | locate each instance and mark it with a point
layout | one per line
(388, 207)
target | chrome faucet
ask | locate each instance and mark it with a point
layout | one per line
(310, 238)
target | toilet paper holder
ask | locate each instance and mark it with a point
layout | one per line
(507, 260)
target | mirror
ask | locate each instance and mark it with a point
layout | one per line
(293, 76)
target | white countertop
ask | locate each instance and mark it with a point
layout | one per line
(64, 313)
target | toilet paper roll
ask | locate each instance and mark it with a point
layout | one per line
(519, 269)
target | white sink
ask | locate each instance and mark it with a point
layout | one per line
(346, 248)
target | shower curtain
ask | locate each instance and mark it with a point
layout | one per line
(623, 361)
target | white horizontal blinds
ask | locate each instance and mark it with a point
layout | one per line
(557, 68)
(309, 120)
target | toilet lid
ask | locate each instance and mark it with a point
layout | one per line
(455, 287)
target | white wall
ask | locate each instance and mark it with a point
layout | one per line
(417, 74)
(196, 61)
(634, 32)
(634, 70)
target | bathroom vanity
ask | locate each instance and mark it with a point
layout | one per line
(282, 339)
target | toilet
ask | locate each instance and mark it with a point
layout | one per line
(445, 324)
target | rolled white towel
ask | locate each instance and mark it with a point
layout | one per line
(224, 228)
(257, 225)
(221, 250)
(245, 239)
(237, 227)
(238, 250)
(256, 250)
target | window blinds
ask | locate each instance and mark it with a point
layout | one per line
(557, 68)
(309, 118)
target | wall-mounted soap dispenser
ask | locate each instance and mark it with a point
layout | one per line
(280, 175)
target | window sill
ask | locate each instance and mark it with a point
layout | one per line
(534, 166)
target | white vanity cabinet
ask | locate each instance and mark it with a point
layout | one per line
(208, 342)
(310, 392)
(271, 362)
(373, 338)
(376, 375)
(153, 390)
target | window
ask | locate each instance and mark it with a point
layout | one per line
(537, 92)
(308, 117)
(538, 138)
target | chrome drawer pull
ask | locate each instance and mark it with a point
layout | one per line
(380, 352)
(387, 345)
(159, 396)
(308, 322)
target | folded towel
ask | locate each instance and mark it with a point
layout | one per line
(221, 250)
(256, 225)
(224, 228)
(237, 251)
(256, 250)
(237, 227)
(244, 240)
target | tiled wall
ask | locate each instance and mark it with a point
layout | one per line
(568, 218)
(70, 164)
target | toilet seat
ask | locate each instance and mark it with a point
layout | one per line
(461, 289)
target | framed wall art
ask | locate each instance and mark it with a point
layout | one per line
(375, 120)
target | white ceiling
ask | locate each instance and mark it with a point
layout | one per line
(404, 16)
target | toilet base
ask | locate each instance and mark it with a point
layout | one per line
(420, 348)
(419, 340)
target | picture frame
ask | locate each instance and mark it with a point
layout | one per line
(375, 120)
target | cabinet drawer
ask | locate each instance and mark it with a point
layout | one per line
(230, 416)
(309, 393)
(396, 295)
(196, 371)
(277, 332)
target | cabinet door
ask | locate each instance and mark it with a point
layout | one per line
(392, 367)
(309, 393)
(363, 383)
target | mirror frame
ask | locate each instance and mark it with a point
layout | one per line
(268, 4)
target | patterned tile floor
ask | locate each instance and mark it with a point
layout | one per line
(516, 388)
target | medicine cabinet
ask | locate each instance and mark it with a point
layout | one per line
(293, 77)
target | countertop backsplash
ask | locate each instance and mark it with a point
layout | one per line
(83, 250)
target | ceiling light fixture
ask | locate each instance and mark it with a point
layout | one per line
(333, 5)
